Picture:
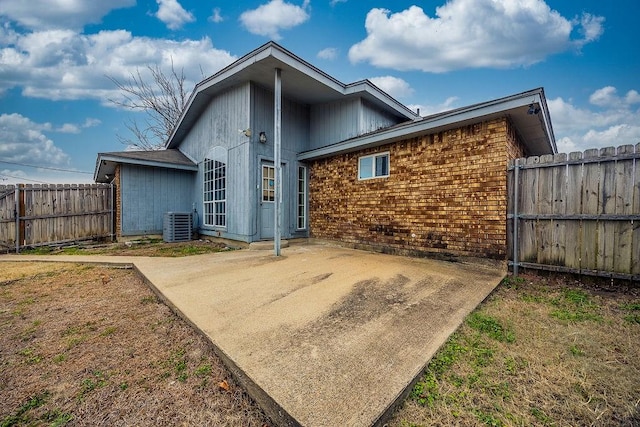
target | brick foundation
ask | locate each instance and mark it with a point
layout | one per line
(446, 194)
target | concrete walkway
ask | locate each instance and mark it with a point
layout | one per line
(322, 336)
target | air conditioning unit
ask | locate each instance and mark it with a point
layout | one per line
(178, 226)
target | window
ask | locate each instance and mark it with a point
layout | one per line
(302, 198)
(374, 166)
(215, 193)
(268, 183)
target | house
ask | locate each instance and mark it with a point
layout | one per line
(357, 166)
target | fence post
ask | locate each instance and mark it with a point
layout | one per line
(19, 212)
(516, 184)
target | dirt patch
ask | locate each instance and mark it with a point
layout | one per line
(89, 345)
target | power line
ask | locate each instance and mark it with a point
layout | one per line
(44, 167)
(24, 179)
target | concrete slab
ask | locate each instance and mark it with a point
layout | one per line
(323, 335)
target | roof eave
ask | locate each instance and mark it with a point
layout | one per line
(272, 49)
(441, 121)
(108, 159)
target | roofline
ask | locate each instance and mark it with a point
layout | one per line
(280, 53)
(431, 123)
(112, 157)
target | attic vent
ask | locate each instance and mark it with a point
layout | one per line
(177, 227)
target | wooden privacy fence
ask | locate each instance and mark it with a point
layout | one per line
(577, 213)
(35, 215)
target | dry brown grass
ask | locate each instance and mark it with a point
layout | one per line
(545, 351)
(141, 247)
(88, 345)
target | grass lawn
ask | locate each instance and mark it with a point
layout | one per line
(87, 345)
(539, 351)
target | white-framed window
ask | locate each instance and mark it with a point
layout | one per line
(268, 183)
(301, 211)
(215, 190)
(373, 166)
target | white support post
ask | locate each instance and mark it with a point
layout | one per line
(277, 119)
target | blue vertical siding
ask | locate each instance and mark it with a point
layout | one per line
(219, 126)
(337, 121)
(148, 192)
(295, 133)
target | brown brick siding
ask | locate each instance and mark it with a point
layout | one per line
(446, 194)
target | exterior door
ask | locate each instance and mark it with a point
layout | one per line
(267, 200)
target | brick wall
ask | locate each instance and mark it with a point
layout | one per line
(446, 194)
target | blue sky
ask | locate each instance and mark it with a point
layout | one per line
(55, 56)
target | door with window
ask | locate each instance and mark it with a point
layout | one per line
(267, 200)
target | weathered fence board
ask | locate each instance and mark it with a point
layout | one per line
(32, 215)
(7, 217)
(578, 212)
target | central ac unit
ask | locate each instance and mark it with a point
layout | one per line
(178, 226)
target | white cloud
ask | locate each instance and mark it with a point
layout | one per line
(216, 17)
(329, 53)
(268, 19)
(608, 97)
(91, 122)
(63, 64)
(48, 14)
(9, 176)
(68, 128)
(394, 86)
(173, 14)
(613, 136)
(470, 34)
(611, 122)
(335, 2)
(591, 27)
(24, 141)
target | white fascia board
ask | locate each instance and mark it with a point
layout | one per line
(221, 75)
(546, 118)
(267, 50)
(304, 67)
(371, 89)
(426, 125)
(352, 88)
(273, 50)
(142, 162)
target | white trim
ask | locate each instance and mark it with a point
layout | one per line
(373, 165)
(305, 198)
(213, 191)
(262, 178)
(438, 122)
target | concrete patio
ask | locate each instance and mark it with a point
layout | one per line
(322, 336)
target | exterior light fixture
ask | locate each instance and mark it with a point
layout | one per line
(263, 137)
(533, 110)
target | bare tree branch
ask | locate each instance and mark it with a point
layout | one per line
(162, 99)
